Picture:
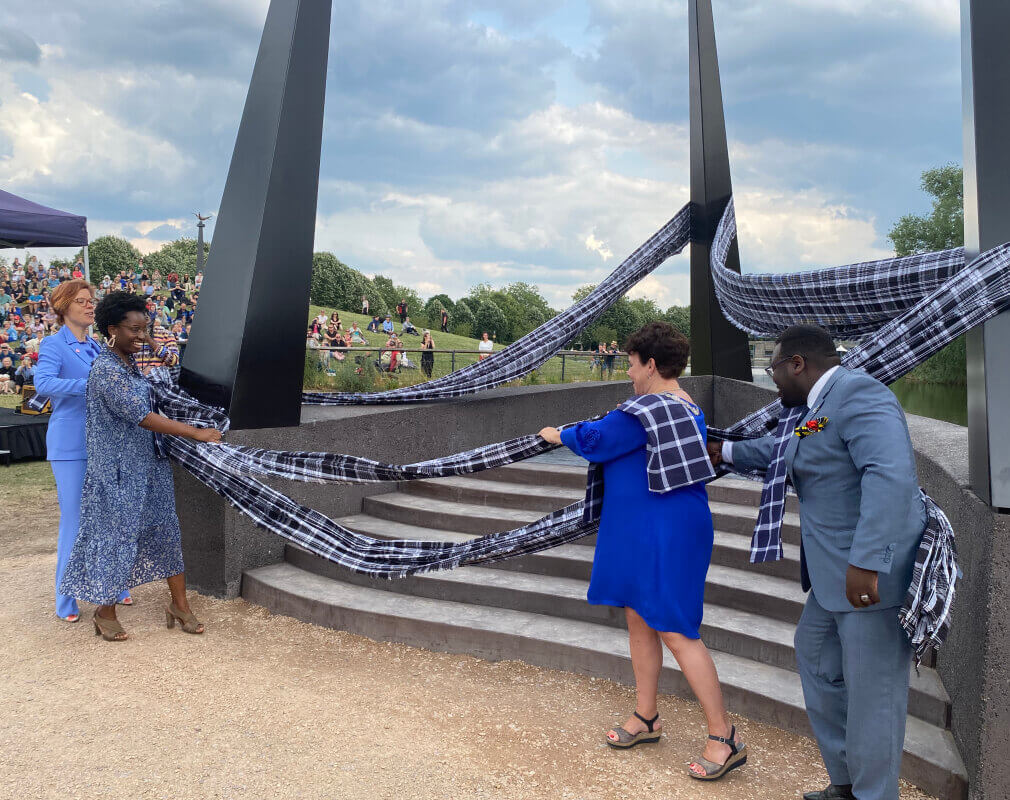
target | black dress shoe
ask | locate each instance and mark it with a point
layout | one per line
(833, 792)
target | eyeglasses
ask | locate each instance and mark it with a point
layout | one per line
(770, 370)
(84, 302)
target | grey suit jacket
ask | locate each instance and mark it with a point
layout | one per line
(859, 495)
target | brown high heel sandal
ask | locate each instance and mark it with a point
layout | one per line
(188, 621)
(713, 771)
(109, 629)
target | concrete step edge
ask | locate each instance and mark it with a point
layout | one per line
(765, 693)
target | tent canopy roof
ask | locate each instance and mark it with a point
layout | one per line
(27, 224)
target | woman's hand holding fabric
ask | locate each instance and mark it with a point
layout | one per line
(551, 435)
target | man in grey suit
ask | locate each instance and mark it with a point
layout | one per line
(862, 517)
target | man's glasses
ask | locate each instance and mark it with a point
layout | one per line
(84, 302)
(770, 370)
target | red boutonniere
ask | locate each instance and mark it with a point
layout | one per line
(812, 426)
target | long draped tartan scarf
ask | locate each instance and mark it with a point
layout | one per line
(968, 297)
(907, 309)
(674, 445)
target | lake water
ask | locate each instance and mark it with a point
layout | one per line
(934, 400)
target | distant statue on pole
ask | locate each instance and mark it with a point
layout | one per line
(199, 239)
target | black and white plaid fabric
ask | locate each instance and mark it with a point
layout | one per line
(766, 543)
(849, 302)
(526, 354)
(676, 449)
(968, 298)
(925, 615)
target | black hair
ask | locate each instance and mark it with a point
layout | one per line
(663, 342)
(114, 307)
(810, 341)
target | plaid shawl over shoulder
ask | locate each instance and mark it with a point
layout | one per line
(677, 454)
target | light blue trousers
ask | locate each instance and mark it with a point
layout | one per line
(855, 667)
(69, 477)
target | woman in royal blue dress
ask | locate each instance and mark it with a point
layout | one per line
(653, 551)
(129, 531)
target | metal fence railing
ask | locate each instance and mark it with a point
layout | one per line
(566, 366)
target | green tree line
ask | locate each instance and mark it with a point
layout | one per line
(941, 229)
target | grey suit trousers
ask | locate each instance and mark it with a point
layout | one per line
(854, 666)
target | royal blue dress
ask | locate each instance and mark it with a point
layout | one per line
(129, 531)
(653, 550)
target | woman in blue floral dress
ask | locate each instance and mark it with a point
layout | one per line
(129, 531)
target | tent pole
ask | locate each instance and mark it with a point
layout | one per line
(87, 268)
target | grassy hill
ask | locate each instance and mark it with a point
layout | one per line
(346, 378)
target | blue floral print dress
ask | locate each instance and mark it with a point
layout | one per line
(129, 531)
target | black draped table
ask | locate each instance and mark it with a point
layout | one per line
(23, 434)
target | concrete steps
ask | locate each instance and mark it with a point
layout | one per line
(533, 607)
(759, 691)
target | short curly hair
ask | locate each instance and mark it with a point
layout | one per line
(63, 295)
(663, 342)
(114, 307)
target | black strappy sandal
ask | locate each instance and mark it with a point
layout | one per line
(713, 771)
(626, 740)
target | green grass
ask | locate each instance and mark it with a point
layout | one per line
(10, 400)
(576, 368)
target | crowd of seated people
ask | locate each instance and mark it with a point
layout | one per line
(27, 317)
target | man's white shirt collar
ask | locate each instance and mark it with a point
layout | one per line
(818, 387)
(815, 391)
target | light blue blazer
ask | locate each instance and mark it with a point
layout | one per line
(62, 374)
(859, 494)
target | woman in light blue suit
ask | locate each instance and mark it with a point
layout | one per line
(62, 374)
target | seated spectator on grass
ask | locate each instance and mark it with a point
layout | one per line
(5, 297)
(356, 336)
(312, 343)
(340, 342)
(11, 332)
(374, 325)
(172, 280)
(198, 281)
(6, 351)
(486, 346)
(34, 298)
(184, 314)
(25, 374)
(320, 320)
(78, 270)
(408, 327)
(181, 336)
(335, 319)
(387, 325)
(160, 350)
(7, 374)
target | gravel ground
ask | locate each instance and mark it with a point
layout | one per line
(266, 706)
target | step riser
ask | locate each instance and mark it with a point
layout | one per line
(384, 507)
(530, 476)
(495, 646)
(507, 497)
(488, 497)
(727, 641)
(718, 491)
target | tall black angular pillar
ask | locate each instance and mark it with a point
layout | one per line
(717, 348)
(246, 352)
(985, 75)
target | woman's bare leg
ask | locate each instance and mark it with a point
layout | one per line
(699, 669)
(647, 661)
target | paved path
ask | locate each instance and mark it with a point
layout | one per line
(268, 707)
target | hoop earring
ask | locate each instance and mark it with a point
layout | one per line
(112, 341)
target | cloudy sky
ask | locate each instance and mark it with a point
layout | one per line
(537, 140)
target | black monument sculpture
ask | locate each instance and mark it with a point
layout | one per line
(717, 348)
(985, 64)
(261, 265)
